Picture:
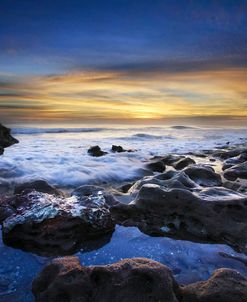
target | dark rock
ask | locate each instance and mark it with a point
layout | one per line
(130, 280)
(225, 285)
(225, 154)
(237, 171)
(171, 159)
(52, 225)
(212, 214)
(6, 140)
(125, 188)
(184, 162)
(118, 149)
(234, 161)
(203, 175)
(96, 151)
(156, 166)
(37, 185)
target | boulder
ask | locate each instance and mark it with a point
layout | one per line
(225, 285)
(170, 159)
(183, 162)
(54, 225)
(234, 161)
(129, 280)
(156, 166)
(96, 151)
(203, 175)
(6, 139)
(225, 154)
(210, 215)
(37, 185)
(237, 171)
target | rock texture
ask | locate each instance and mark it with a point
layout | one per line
(6, 140)
(225, 285)
(130, 280)
(237, 171)
(52, 225)
(212, 214)
(39, 186)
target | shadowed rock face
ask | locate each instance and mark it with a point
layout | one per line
(237, 171)
(212, 214)
(6, 140)
(39, 186)
(130, 280)
(225, 285)
(52, 225)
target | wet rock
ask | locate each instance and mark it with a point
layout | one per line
(237, 171)
(203, 175)
(234, 161)
(96, 151)
(225, 154)
(6, 139)
(37, 185)
(129, 280)
(156, 166)
(225, 285)
(52, 225)
(125, 188)
(184, 162)
(170, 159)
(212, 214)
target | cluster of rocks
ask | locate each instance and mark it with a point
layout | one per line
(6, 139)
(131, 280)
(97, 152)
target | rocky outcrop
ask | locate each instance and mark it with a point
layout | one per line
(6, 139)
(225, 285)
(156, 166)
(96, 151)
(39, 186)
(183, 162)
(129, 280)
(237, 171)
(54, 225)
(212, 214)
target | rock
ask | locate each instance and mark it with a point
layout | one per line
(6, 139)
(118, 149)
(52, 225)
(96, 151)
(225, 285)
(234, 161)
(129, 280)
(203, 175)
(39, 186)
(156, 166)
(225, 154)
(183, 162)
(237, 171)
(212, 214)
(125, 188)
(171, 159)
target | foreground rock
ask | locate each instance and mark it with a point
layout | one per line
(6, 140)
(212, 214)
(130, 280)
(96, 151)
(52, 225)
(225, 285)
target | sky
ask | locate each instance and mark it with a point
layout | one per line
(123, 61)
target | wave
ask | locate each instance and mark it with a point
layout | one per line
(54, 130)
(145, 136)
(182, 127)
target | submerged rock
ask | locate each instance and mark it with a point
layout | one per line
(225, 285)
(52, 225)
(6, 139)
(96, 151)
(129, 280)
(212, 214)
